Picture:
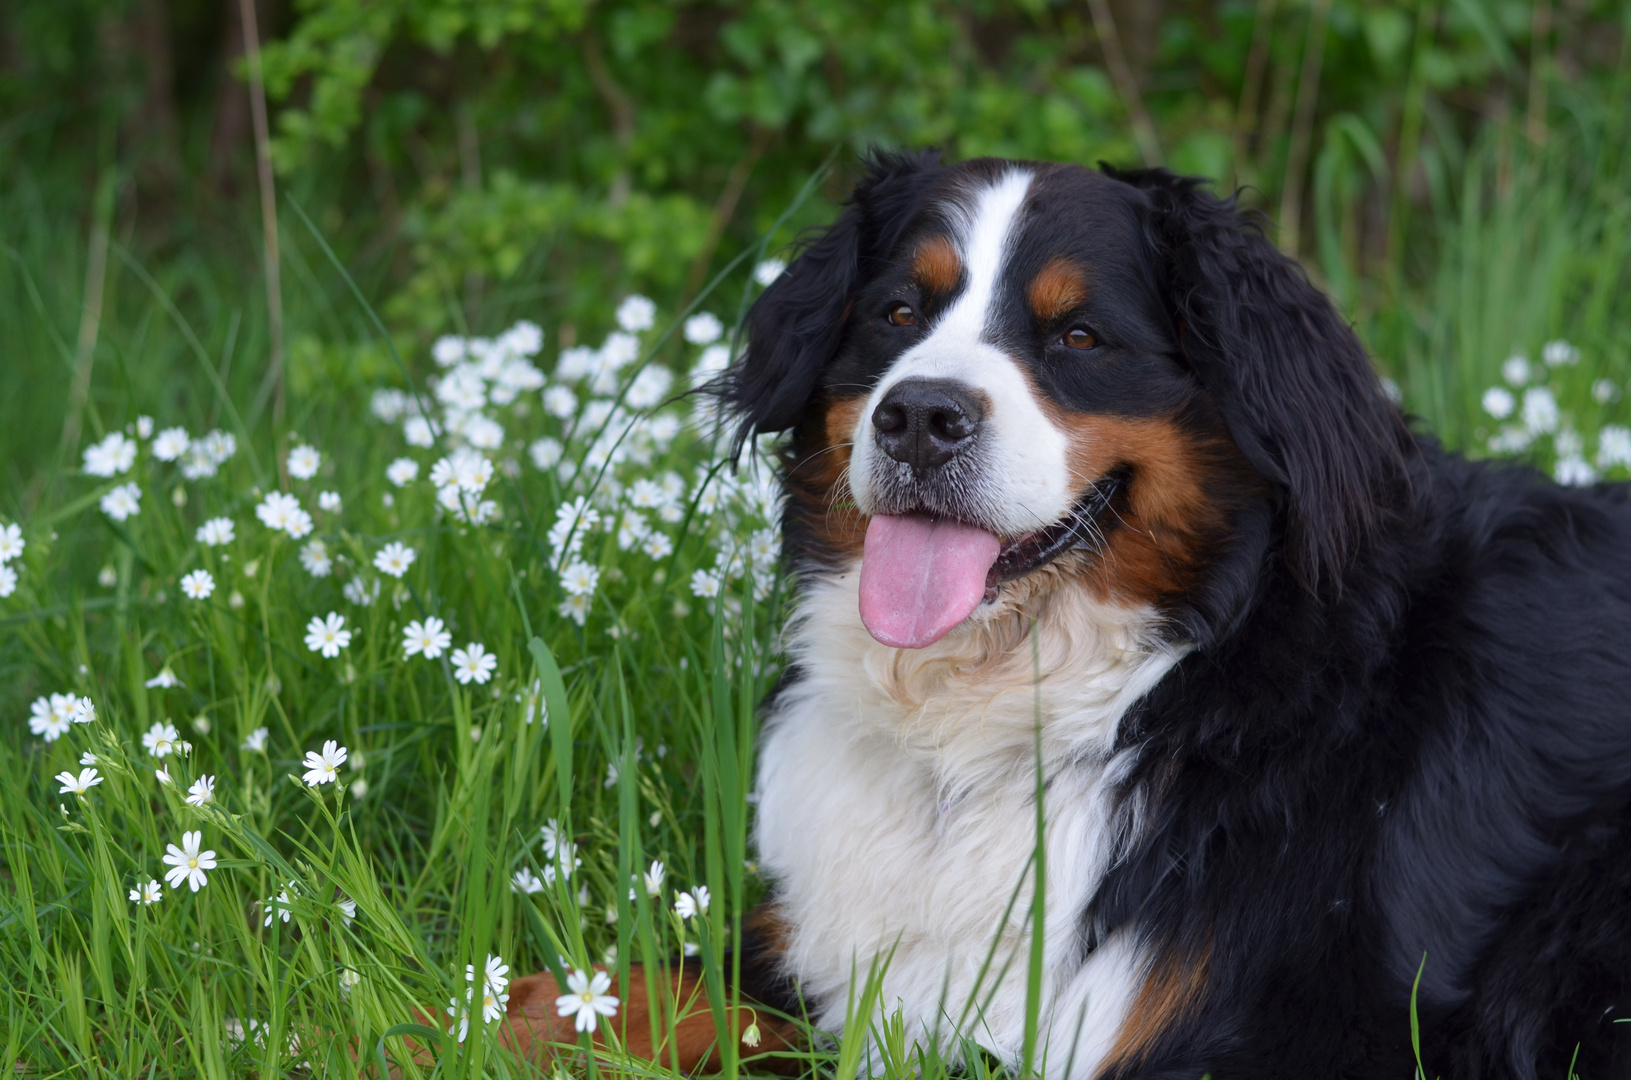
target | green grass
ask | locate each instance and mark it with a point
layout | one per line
(648, 749)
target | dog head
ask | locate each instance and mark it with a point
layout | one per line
(997, 368)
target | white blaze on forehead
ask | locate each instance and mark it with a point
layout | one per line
(1022, 454)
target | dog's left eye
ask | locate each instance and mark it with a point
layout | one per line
(1079, 337)
(902, 315)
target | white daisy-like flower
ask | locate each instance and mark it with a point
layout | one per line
(87, 758)
(448, 350)
(545, 452)
(110, 457)
(705, 584)
(657, 545)
(327, 635)
(428, 639)
(11, 543)
(50, 718)
(1574, 472)
(349, 980)
(80, 784)
(575, 608)
(484, 433)
(329, 502)
(526, 882)
(164, 680)
(255, 741)
(649, 387)
(216, 532)
(473, 663)
(560, 402)
(461, 1014)
(1515, 369)
(691, 904)
(550, 838)
(654, 878)
(279, 511)
(348, 909)
(187, 863)
(162, 774)
(124, 501)
(161, 739)
(388, 404)
(1559, 354)
(202, 792)
(1499, 402)
(315, 558)
(580, 579)
(1613, 446)
(496, 973)
(402, 472)
(768, 271)
(419, 431)
(714, 359)
(8, 581)
(303, 462)
(144, 427)
(636, 314)
(588, 1000)
(171, 444)
(323, 768)
(362, 592)
(280, 906)
(82, 711)
(149, 894)
(394, 559)
(197, 585)
(1540, 412)
(703, 328)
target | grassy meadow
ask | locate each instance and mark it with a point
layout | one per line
(545, 611)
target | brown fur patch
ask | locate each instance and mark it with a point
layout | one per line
(1171, 990)
(817, 482)
(1057, 289)
(936, 266)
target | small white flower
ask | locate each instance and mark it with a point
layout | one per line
(122, 502)
(255, 741)
(1499, 402)
(768, 271)
(87, 758)
(82, 711)
(323, 768)
(1613, 446)
(649, 387)
(80, 784)
(495, 974)
(750, 1036)
(690, 904)
(110, 457)
(361, 592)
(580, 579)
(703, 328)
(327, 635)
(329, 502)
(1540, 413)
(282, 512)
(636, 313)
(162, 774)
(418, 431)
(1559, 354)
(161, 739)
(428, 639)
(11, 543)
(315, 558)
(704, 584)
(144, 427)
(349, 980)
(303, 462)
(560, 402)
(197, 585)
(1604, 391)
(164, 680)
(654, 879)
(148, 894)
(1574, 472)
(545, 453)
(215, 532)
(447, 350)
(359, 787)
(171, 444)
(588, 1000)
(575, 608)
(526, 882)
(657, 545)
(473, 663)
(187, 863)
(394, 559)
(402, 472)
(280, 906)
(8, 581)
(348, 909)
(202, 792)
(1515, 369)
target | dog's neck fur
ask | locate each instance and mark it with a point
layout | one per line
(896, 806)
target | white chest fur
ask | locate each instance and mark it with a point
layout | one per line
(896, 812)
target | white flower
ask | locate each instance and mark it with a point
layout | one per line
(202, 791)
(649, 387)
(164, 680)
(171, 444)
(560, 402)
(348, 909)
(750, 1036)
(394, 559)
(768, 271)
(473, 663)
(110, 457)
(87, 758)
(280, 906)
(144, 427)
(703, 328)
(82, 711)
(1515, 369)
(161, 739)
(215, 532)
(197, 585)
(122, 502)
(316, 559)
(704, 584)
(283, 512)
(545, 452)
(1613, 446)
(349, 980)
(1568, 443)
(447, 350)
(636, 313)
(1511, 439)
(525, 338)
(388, 404)
(550, 834)
(1574, 472)
(303, 462)
(80, 784)
(428, 638)
(714, 359)
(658, 546)
(575, 608)
(1559, 354)
(402, 472)
(573, 521)
(187, 863)
(148, 894)
(419, 431)
(1604, 391)
(323, 768)
(494, 975)
(646, 495)
(361, 592)
(8, 581)
(580, 579)
(329, 502)
(1499, 402)
(526, 882)
(162, 773)
(689, 904)
(11, 543)
(484, 433)
(588, 1000)
(1539, 413)
(255, 741)
(327, 635)
(654, 879)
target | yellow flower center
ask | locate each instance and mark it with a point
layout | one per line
(192, 863)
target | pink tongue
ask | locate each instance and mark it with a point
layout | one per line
(921, 577)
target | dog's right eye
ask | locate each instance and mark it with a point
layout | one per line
(902, 315)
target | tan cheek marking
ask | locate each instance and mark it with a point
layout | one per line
(818, 484)
(936, 265)
(1171, 990)
(1057, 289)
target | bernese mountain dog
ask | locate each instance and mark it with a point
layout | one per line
(1092, 493)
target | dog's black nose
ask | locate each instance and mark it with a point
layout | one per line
(924, 423)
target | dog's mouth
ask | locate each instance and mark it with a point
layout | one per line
(921, 575)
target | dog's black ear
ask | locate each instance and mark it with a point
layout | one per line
(796, 325)
(1288, 374)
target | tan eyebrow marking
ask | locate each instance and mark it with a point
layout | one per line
(936, 265)
(1057, 288)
